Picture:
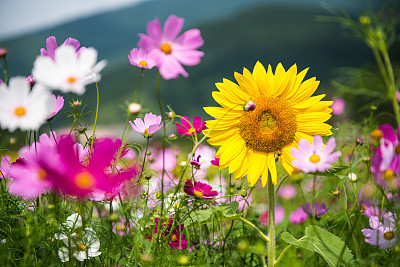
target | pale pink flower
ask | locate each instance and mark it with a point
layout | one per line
(172, 50)
(140, 58)
(338, 106)
(57, 106)
(151, 124)
(298, 216)
(315, 157)
(279, 216)
(287, 192)
(51, 46)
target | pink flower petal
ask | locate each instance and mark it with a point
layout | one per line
(172, 26)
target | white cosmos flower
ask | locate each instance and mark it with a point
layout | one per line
(69, 71)
(22, 108)
(82, 248)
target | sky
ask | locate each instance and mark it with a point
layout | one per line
(23, 16)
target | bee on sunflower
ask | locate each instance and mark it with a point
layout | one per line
(262, 117)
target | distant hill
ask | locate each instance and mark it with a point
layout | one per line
(235, 37)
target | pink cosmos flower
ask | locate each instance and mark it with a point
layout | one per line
(200, 190)
(148, 126)
(338, 106)
(121, 228)
(51, 45)
(287, 192)
(58, 105)
(368, 209)
(156, 162)
(74, 178)
(298, 216)
(140, 58)
(4, 166)
(315, 157)
(215, 162)
(30, 80)
(176, 239)
(279, 216)
(189, 129)
(383, 234)
(172, 50)
(202, 161)
(386, 160)
(1, 82)
(28, 178)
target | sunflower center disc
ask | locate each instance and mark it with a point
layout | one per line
(270, 126)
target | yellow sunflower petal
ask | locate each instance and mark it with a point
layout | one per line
(272, 168)
(256, 167)
(260, 75)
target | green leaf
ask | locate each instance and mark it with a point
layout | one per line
(221, 212)
(324, 243)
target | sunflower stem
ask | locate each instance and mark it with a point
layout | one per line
(271, 222)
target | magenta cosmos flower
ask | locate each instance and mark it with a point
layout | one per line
(58, 105)
(80, 179)
(383, 234)
(200, 190)
(148, 126)
(4, 166)
(189, 129)
(51, 45)
(386, 161)
(172, 50)
(287, 192)
(176, 238)
(338, 106)
(315, 157)
(142, 59)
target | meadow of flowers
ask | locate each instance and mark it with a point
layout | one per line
(269, 179)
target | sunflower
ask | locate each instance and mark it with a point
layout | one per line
(262, 117)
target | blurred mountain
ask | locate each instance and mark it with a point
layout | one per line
(237, 34)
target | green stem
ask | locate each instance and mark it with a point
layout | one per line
(52, 133)
(392, 87)
(141, 171)
(255, 228)
(271, 222)
(283, 253)
(97, 113)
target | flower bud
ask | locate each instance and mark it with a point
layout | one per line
(172, 137)
(114, 217)
(171, 115)
(30, 80)
(297, 176)
(76, 104)
(243, 193)
(336, 193)
(249, 106)
(134, 108)
(3, 52)
(242, 245)
(353, 177)
(359, 141)
(147, 177)
(12, 141)
(364, 20)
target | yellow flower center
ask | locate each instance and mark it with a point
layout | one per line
(388, 175)
(143, 63)
(176, 205)
(20, 111)
(198, 193)
(377, 134)
(397, 149)
(81, 246)
(173, 238)
(71, 79)
(270, 126)
(389, 235)
(41, 174)
(166, 48)
(191, 130)
(84, 180)
(315, 158)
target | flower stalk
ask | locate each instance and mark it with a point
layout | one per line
(271, 222)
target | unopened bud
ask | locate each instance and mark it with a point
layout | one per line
(150, 158)
(360, 141)
(336, 193)
(353, 177)
(249, 106)
(114, 217)
(30, 80)
(172, 137)
(147, 177)
(12, 141)
(76, 104)
(3, 52)
(134, 108)
(365, 159)
(373, 108)
(171, 115)
(297, 176)
(243, 193)
(232, 190)
(365, 20)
